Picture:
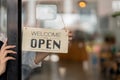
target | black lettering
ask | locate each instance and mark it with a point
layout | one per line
(34, 33)
(48, 44)
(57, 44)
(55, 34)
(33, 43)
(41, 41)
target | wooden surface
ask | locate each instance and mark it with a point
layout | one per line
(77, 52)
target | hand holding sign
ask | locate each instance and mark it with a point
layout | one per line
(40, 55)
(70, 35)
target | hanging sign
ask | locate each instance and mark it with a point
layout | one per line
(44, 40)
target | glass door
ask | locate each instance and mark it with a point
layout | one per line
(12, 35)
(3, 20)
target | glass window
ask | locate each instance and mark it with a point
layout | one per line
(3, 19)
(116, 5)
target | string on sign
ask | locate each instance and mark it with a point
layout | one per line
(59, 6)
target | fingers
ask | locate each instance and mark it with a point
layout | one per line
(70, 38)
(5, 43)
(9, 58)
(9, 52)
(70, 33)
(9, 47)
(5, 49)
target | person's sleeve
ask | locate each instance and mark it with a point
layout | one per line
(28, 59)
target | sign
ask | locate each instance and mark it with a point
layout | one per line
(44, 40)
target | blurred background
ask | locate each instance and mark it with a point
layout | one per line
(3, 19)
(93, 52)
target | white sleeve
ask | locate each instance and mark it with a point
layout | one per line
(28, 59)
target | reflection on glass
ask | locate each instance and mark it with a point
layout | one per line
(3, 19)
(46, 12)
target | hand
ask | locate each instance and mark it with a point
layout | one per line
(40, 56)
(70, 35)
(3, 56)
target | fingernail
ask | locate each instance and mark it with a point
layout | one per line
(14, 45)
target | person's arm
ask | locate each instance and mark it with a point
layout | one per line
(40, 56)
(3, 56)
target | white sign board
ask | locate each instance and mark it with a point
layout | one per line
(44, 40)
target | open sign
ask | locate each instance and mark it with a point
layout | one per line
(44, 40)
